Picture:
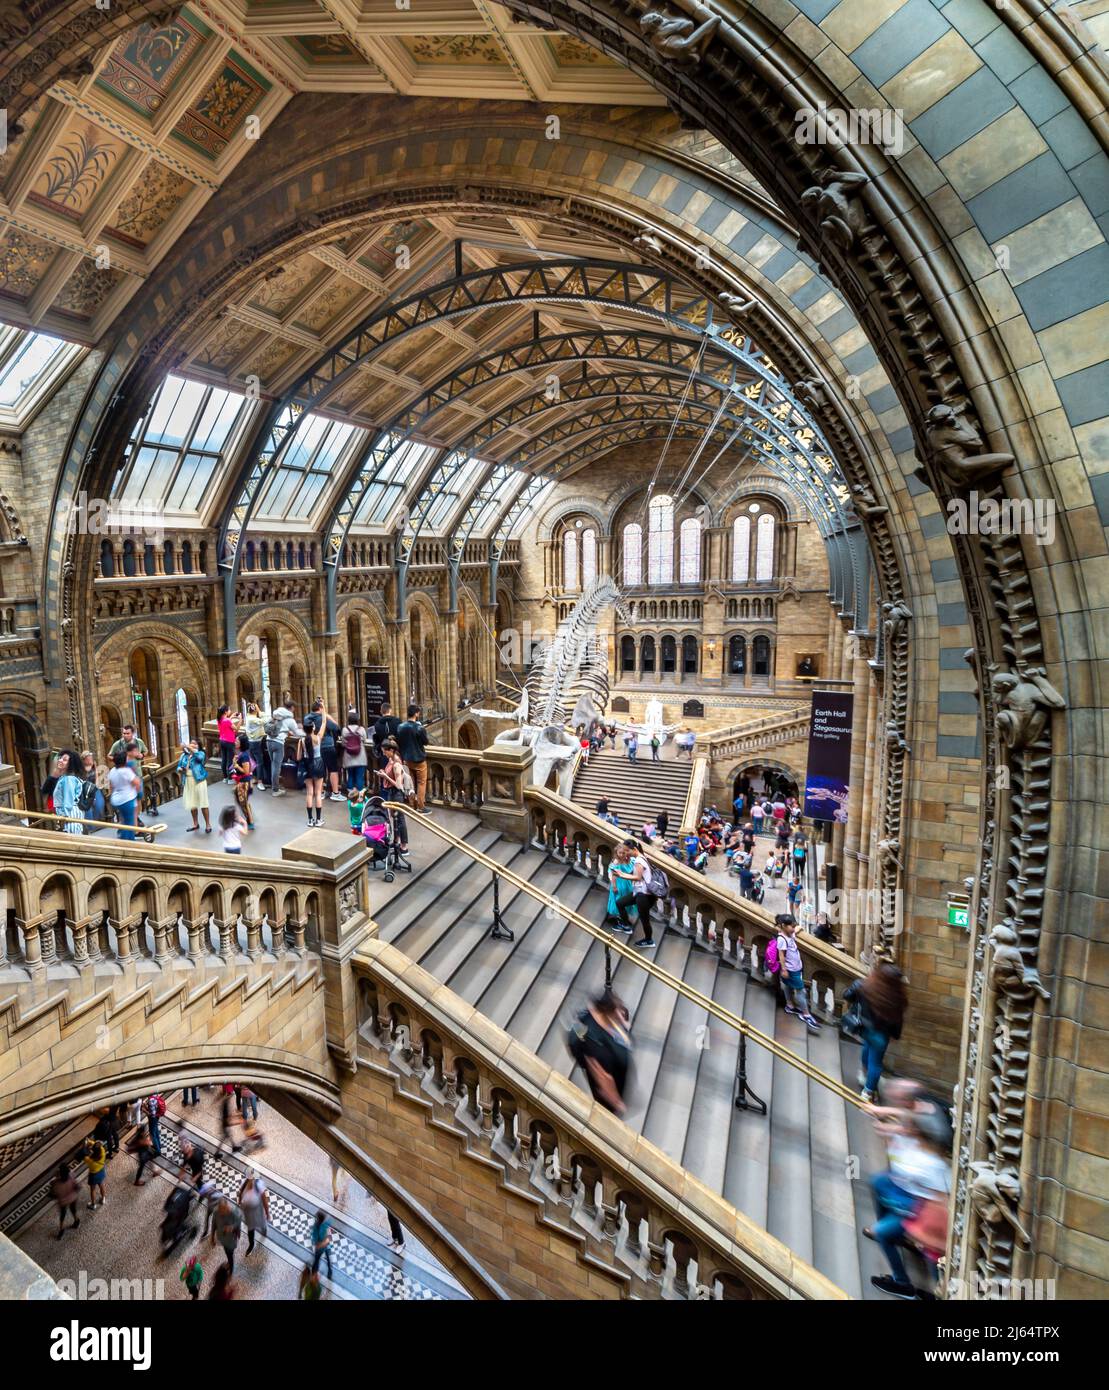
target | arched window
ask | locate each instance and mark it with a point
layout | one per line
(660, 541)
(764, 549)
(145, 696)
(737, 655)
(264, 660)
(689, 571)
(186, 557)
(588, 557)
(689, 656)
(570, 561)
(669, 654)
(107, 560)
(741, 549)
(760, 652)
(181, 712)
(648, 654)
(633, 554)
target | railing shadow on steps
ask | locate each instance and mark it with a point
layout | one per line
(540, 800)
(715, 920)
(629, 1209)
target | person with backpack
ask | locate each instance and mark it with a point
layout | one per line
(412, 744)
(397, 785)
(655, 746)
(93, 799)
(155, 1108)
(386, 726)
(796, 894)
(96, 1165)
(281, 723)
(354, 752)
(645, 897)
(254, 726)
(783, 958)
(800, 851)
(882, 1002)
(756, 817)
(191, 766)
(69, 783)
(601, 1045)
(746, 874)
(65, 1190)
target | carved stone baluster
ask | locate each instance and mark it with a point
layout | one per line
(32, 948)
(136, 929)
(81, 944)
(163, 952)
(300, 928)
(196, 949)
(254, 937)
(450, 1086)
(226, 950)
(47, 932)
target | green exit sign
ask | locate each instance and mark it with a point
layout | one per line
(957, 916)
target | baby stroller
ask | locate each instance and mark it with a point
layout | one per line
(757, 891)
(176, 1224)
(378, 833)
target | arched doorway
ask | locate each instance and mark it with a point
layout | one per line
(469, 735)
(765, 778)
(19, 747)
(146, 697)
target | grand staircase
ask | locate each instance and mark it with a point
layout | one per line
(636, 792)
(798, 1172)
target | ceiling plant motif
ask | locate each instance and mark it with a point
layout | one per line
(76, 170)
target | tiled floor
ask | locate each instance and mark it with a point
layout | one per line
(122, 1242)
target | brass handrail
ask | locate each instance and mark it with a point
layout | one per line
(671, 981)
(82, 820)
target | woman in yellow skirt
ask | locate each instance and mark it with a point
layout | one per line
(191, 766)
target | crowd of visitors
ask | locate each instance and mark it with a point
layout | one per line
(196, 1204)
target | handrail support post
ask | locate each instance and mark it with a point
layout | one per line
(500, 932)
(742, 1088)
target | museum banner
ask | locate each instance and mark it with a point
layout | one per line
(828, 778)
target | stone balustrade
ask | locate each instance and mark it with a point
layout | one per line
(630, 1210)
(718, 921)
(69, 902)
(755, 736)
(454, 777)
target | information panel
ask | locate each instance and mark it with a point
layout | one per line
(376, 687)
(828, 779)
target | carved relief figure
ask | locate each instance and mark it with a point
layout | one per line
(1026, 699)
(956, 448)
(678, 41)
(840, 212)
(995, 1195)
(1009, 972)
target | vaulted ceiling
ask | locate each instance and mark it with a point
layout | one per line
(112, 166)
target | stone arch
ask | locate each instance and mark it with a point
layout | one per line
(286, 623)
(555, 511)
(362, 608)
(104, 895)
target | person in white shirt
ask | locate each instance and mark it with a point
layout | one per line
(645, 900)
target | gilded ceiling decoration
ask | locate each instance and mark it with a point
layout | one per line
(23, 262)
(223, 107)
(276, 295)
(331, 304)
(326, 50)
(570, 52)
(226, 345)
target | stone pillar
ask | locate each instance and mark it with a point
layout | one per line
(506, 769)
(448, 684)
(865, 918)
(859, 675)
(344, 923)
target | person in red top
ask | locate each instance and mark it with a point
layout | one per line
(228, 738)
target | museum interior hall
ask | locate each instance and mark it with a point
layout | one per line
(601, 508)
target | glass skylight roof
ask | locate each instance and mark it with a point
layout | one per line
(30, 365)
(385, 492)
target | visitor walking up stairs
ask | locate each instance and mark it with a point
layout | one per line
(635, 792)
(799, 1171)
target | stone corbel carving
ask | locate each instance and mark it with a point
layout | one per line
(995, 1195)
(897, 615)
(895, 740)
(1026, 699)
(889, 852)
(1009, 972)
(865, 502)
(678, 41)
(735, 305)
(811, 394)
(955, 447)
(840, 212)
(647, 242)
